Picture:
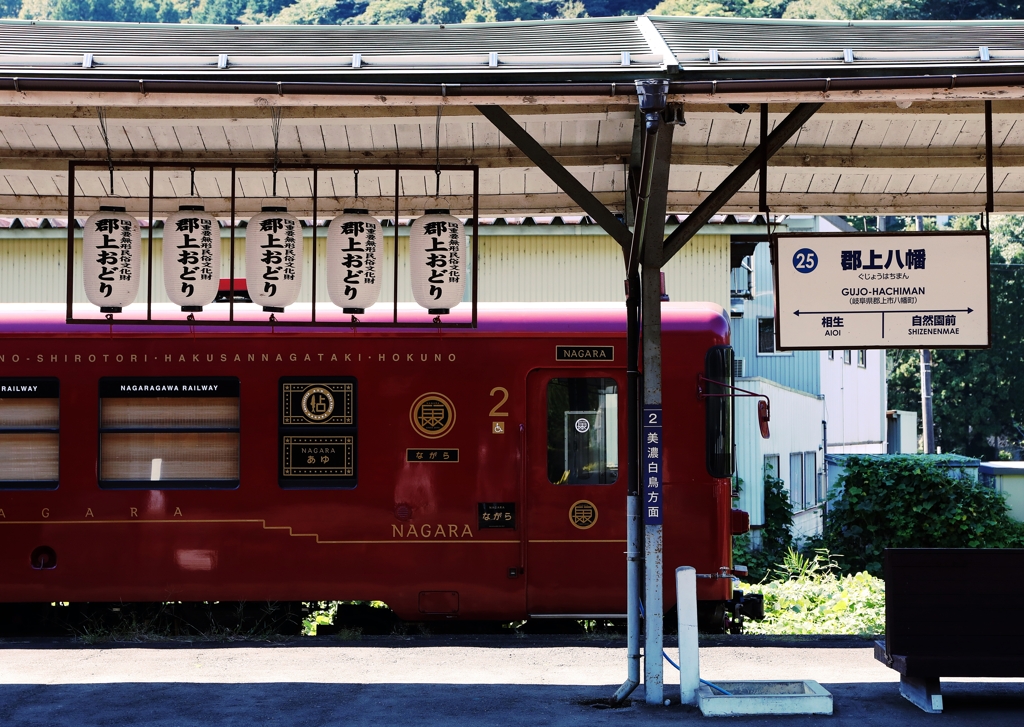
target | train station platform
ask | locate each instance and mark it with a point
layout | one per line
(439, 680)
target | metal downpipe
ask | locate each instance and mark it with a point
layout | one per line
(633, 552)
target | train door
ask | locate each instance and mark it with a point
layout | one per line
(575, 492)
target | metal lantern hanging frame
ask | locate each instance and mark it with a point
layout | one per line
(436, 323)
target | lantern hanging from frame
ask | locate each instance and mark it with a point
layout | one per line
(353, 260)
(273, 258)
(437, 261)
(111, 246)
(191, 257)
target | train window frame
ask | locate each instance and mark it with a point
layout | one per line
(164, 387)
(297, 427)
(604, 418)
(35, 389)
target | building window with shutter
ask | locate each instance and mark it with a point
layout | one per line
(766, 335)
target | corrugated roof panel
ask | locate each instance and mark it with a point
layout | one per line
(590, 36)
(750, 42)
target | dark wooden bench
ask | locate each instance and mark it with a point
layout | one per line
(951, 612)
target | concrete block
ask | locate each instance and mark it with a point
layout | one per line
(764, 697)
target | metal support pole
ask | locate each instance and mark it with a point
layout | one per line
(990, 192)
(654, 666)
(927, 424)
(633, 553)
(70, 264)
(312, 316)
(149, 254)
(650, 311)
(762, 192)
(650, 189)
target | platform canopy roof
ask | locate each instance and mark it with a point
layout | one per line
(901, 128)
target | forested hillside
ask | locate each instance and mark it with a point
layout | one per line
(321, 12)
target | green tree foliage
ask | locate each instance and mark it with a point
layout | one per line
(722, 8)
(911, 501)
(846, 9)
(10, 8)
(854, 9)
(776, 534)
(436, 12)
(977, 396)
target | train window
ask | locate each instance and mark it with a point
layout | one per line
(29, 433)
(583, 429)
(317, 432)
(720, 454)
(169, 433)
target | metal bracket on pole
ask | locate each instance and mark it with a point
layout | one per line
(739, 176)
(557, 173)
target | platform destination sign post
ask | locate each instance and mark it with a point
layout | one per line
(905, 290)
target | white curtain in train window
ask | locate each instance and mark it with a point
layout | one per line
(437, 261)
(353, 260)
(273, 258)
(111, 245)
(191, 257)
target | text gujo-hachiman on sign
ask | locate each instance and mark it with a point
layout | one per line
(191, 258)
(273, 258)
(111, 240)
(437, 261)
(353, 280)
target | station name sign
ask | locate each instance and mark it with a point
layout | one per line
(906, 290)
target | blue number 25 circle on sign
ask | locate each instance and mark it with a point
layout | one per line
(805, 260)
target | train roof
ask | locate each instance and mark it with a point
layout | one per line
(494, 318)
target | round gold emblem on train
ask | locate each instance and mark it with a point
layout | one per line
(583, 514)
(432, 415)
(317, 404)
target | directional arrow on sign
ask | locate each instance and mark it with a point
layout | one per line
(852, 312)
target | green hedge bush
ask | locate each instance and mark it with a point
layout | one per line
(910, 502)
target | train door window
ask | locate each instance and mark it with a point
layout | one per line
(29, 433)
(583, 441)
(169, 433)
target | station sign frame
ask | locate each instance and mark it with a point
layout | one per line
(788, 303)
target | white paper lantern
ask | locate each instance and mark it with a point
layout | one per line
(273, 258)
(111, 246)
(191, 257)
(437, 261)
(353, 261)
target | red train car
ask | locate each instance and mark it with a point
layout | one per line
(457, 473)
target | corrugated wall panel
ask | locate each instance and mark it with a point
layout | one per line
(799, 370)
(513, 268)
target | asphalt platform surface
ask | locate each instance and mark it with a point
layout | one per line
(443, 680)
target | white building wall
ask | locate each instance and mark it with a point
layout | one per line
(855, 401)
(795, 427)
